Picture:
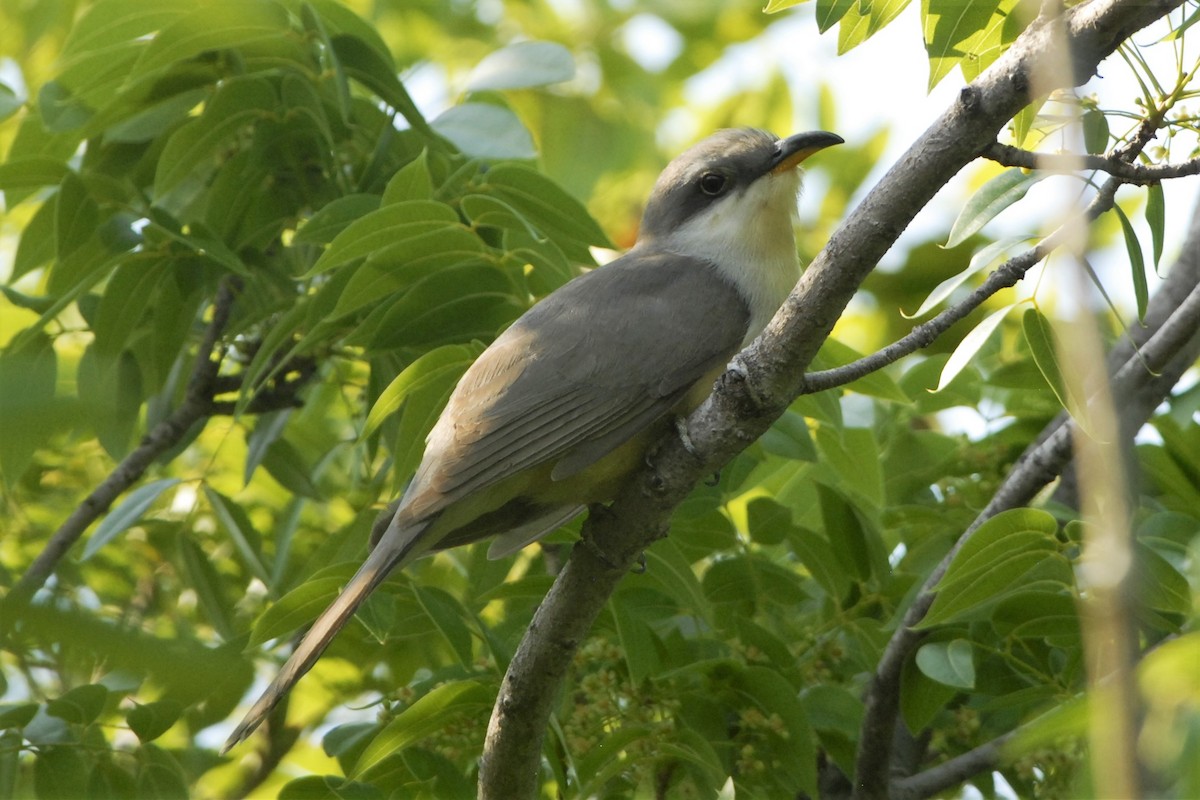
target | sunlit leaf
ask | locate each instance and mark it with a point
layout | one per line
(301, 605)
(485, 131)
(151, 720)
(993, 197)
(1137, 263)
(970, 345)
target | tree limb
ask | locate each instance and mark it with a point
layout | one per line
(196, 405)
(1009, 156)
(952, 772)
(762, 382)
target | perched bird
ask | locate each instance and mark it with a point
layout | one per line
(563, 405)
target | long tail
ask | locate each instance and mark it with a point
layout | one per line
(389, 554)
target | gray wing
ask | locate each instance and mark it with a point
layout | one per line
(581, 372)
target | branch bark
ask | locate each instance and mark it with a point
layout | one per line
(1009, 156)
(762, 382)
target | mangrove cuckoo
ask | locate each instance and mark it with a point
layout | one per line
(563, 405)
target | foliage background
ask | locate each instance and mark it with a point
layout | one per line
(250, 145)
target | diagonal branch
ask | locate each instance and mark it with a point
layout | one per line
(196, 405)
(764, 379)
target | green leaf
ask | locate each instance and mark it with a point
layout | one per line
(1039, 335)
(108, 781)
(372, 67)
(328, 787)
(301, 605)
(151, 720)
(81, 705)
(159, 775)
(982, 259)
(1095, 130)
(861, 21)
(1006, 553)
(970, 345)
(829, 12)
(921, 697)
(122, 309)
(237, 104)
(389, 225)
(545, 204)
(126, 514)
(423, 382)
(429, 714)
(775, 696)
(60, 773)
(28, 376)
(993, 197)
(412, 182)
(950, 26)
(60, 109)
(1137, 264)
(218, 25)
(449, 617)
(31, 172)
(76, 216)
(845, 533)
(521, 66)
(17, 715)
(246, 540)
(287, 465)
(334, 217)
(1156, 218)
(9, 102)
(203, 579)
(486, 131)
(37, 240)
(834, 353)
(951, 663)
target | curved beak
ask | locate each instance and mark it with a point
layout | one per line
(791, 151)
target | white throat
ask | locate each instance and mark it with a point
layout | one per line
(749, 236)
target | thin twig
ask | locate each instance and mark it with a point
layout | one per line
(1141, 174)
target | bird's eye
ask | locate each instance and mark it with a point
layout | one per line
(712, 183)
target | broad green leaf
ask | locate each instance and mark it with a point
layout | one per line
(60, 773)
(236, 105)
(123, 306)
(328, 787)
(830, 12)
(76, 216)
(388, 225)
(301, 605)
(521, 66)
(28, 376)
(545, 204)
(1039, 335)
(921, 697)
(844, 530)
(1137, 264)
(37, 240)
(853, 453)
(1095, 130)
(60, 109)
(993, 197)
(108, 780)
(412, 182)
(286, 464)
(486, 131)
(950, 28)
(151, 720)
(31, 172)
(159, 775)
(790, 438)
(861, 21)
(427, 715)
(126, 514)
(218, 25)
(16, 715)
(639, 644)
(486, 210)
(951, 663)
(970, 345)
(1005, 553)
(202, 577)
(1156, 214)
(456, 304)
(670, 572)
(767, 689)
(267, 429)
(816, 554)
(449, 617)
(246, 540)
(81, 705)
(982, 259)
(366, 63)
(334, 217)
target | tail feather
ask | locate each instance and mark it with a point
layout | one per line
(379, 564)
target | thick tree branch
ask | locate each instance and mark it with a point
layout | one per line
(952, 772)
(1010, 156)
(196, 405)
(763, 381)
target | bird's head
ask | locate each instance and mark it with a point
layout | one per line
(730, 201)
